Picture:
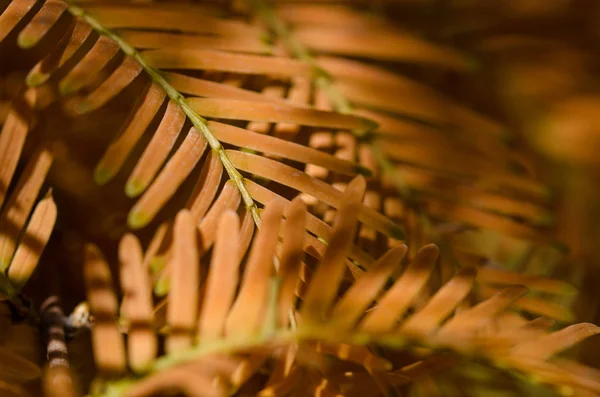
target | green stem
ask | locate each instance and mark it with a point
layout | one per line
(199, 122)
(227, 346)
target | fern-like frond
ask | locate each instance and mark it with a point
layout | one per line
(249, 316)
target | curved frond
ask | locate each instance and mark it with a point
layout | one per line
(249, 316)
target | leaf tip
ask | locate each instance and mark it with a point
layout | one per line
(137, 219)
(358, 185)
(102, 175)
(569, 289)
(65, 88)
(82, 107)
(25, 41)
(134, 188)
(566, 391)
(162, 287)
(35, 79)
(429, 250)
(157, 264)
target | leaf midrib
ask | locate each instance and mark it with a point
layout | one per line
(200, 123)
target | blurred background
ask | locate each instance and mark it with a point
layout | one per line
(540, 59)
